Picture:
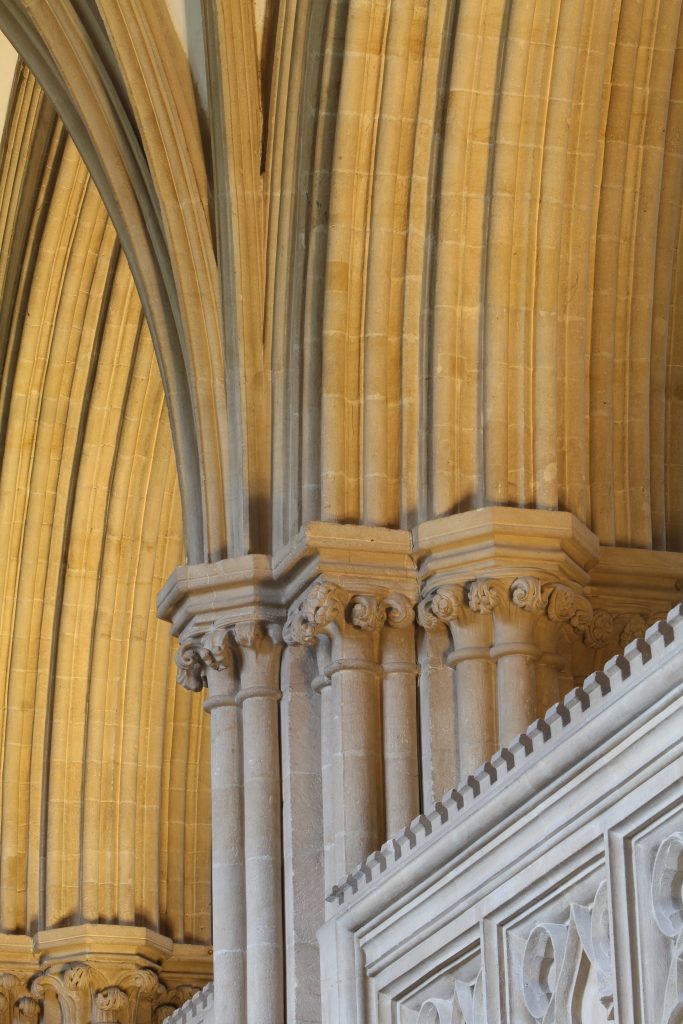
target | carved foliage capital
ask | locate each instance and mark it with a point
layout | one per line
(217, 649)
(322, 604)
(28, 1008)
(325, 604)
(367, 613)
(444, 605)
(399, 611)
(16, 1002)
(102, 993)
(558, 602)
(199, 653)
(528, 593)
(108, 1004)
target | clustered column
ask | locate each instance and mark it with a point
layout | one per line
(471, 637)
(369, 716)
(505, 651)
(240, 665)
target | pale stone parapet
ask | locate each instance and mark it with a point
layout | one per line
(549, 879)
(197, 1010)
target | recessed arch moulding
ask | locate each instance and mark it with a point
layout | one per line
(104, 764)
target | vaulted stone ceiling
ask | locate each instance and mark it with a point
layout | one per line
(412, 258)
(104, 799)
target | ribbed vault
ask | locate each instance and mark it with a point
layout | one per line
(104, 799)
(493, 266)
(400, 259)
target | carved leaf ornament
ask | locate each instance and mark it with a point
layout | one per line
(465, 1007)
(558, 601)
(558, 960)
(667, 906)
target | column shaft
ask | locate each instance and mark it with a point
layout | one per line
(228, 897)
(263, 858)
(476, 716)
(399, 728)
(516, 683)
(356, 763)
(327, 782)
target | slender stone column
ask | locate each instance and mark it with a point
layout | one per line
(515, 611)
(470, 657)
(438, 730)
(212, 660)
(356, 674)
(353, 625)
(560, 607)
(322, 684)
(513, 627)
(259, 648)
(399, 717)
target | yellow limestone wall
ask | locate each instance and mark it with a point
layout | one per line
(104, 778)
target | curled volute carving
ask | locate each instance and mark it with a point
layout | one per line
(215, 649)
(325, 604)
(142, 985)
(595, 627)
(322, 604)
(552, 978)
(27, 1008)
(484, 595)
(466, 1005)
(399, 611)
(109, 1003)
(163, 1012)
(561, 603)
(633, 627)
(167, 1002)
(73, 985)
(527, 592)
(253, 633)
(197, 654)
(100, 994)
(598, 630)
(446, 604)
(667, 906)
(191, 673)
(367, 613)
(147, 983)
